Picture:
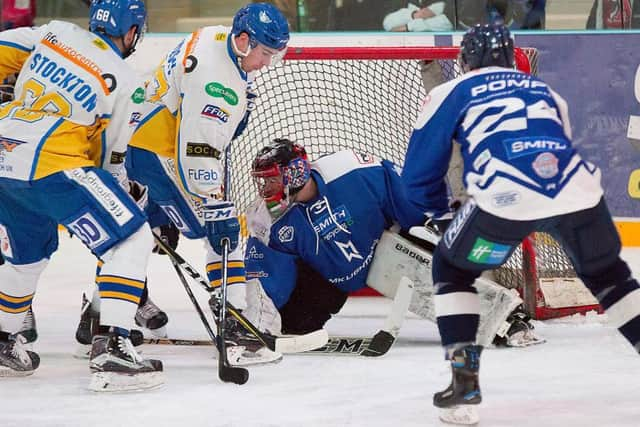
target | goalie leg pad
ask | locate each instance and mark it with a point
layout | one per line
(496, 304)
(261, 311)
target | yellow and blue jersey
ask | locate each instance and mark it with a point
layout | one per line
(74, 99)
(197, 98)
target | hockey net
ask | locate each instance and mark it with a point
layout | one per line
(367, 99)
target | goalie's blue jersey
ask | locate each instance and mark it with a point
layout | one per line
(336, 233)
(515, 139)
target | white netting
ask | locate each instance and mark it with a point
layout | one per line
(366, 99)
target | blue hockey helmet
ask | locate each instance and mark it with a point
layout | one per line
(116, 17)
(264, 24)
(487, 45)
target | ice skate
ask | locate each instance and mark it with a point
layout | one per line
(243, 349)
(116, 366)
(458, 402)
(519, 332)
(28, 329)
(87, 328)
(15, 360)
(151, 317)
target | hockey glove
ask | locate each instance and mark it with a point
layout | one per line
(221, 222)
(139, 193)
(169, 234)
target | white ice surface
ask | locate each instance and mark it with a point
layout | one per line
(585, 375)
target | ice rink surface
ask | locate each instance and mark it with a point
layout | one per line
(585, 375)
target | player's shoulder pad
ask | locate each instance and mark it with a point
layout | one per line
(336, 165)
(207, 38)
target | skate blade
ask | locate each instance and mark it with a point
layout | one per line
(6, 372)
(115, 382)
(239, 357)
(460, 414)
(82, 351)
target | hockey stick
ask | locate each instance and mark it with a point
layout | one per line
(295, 344)
(225, 372)
(375, 346)
(384, 338)
(381, 342)
(336, 345)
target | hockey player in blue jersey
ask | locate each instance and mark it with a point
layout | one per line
(522, 175)
(320, 230)
(61, 162)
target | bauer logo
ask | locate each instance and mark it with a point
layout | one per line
(214, 112)
(412, 254)
(200, 149)
(217, 90)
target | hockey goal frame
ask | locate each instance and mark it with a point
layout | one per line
(523, 273)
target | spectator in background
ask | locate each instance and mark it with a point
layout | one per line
(614, 14)
(516, 14)
(289, 9)
(429, 17)
(17, 13)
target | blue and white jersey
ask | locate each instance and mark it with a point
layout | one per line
(515, 139)
(336, 233)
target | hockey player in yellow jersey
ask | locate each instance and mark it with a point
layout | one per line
(62, 145)
(200, 100)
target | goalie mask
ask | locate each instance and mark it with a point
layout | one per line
(280, 170)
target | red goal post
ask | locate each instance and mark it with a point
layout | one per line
(367, 98)
(378, 53)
